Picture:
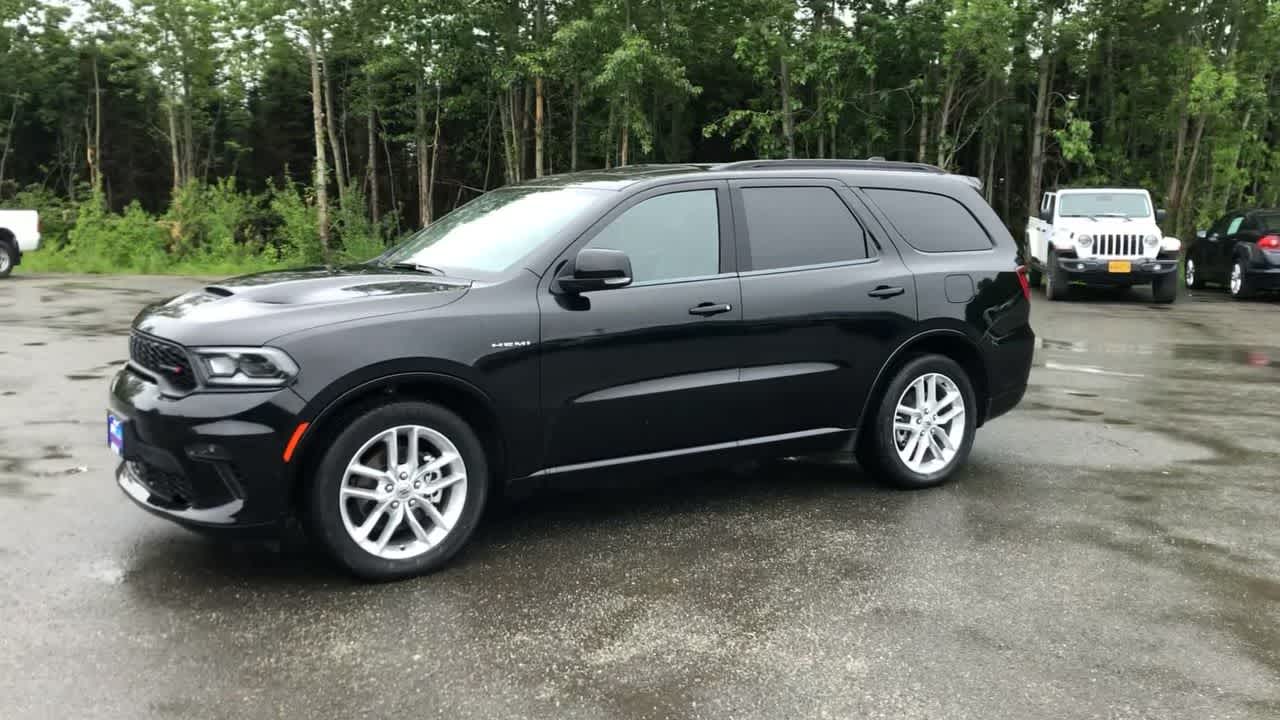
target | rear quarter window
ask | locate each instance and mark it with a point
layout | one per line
(929, 222)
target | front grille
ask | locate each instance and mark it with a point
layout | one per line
(170, 487)
(1124, 245)
(164, 359)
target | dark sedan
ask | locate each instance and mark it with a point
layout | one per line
(1241, 251)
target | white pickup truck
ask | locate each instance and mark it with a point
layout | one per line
(1105, 237)
(19, 233)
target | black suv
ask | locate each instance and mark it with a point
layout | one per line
(644, 318)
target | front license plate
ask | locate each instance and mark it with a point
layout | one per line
(115, 434)
(1119, 266)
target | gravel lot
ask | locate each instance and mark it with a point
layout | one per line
(1110, 551)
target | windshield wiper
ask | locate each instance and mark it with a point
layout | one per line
(418, 267)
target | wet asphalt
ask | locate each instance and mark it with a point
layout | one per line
(1110, 551)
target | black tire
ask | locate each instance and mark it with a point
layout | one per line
(322, 513)
(877, 443)
(1193, 272)
(1034, 277)
(1245, 289)
(8, 258)
(1164, 288)
(1055, 287)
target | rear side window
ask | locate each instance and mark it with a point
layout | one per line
(1268, 221)
(796, 226)
(667, 237)
(931, 223)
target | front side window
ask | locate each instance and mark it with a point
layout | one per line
(798, 226)
(667, 237)
(1123, 205)
(494, 231)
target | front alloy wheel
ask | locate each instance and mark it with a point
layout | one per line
(402, 492)
(399, 490)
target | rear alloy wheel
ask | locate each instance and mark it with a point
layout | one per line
(1191, 272)
(8, 258)
(1239, 284)
(399, 491)
(924, 427)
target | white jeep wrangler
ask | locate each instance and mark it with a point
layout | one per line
(19, 233)
(1104, 237)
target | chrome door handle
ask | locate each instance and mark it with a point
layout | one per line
(884, 291)
(707, 309)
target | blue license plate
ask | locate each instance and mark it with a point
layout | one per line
(115, 434)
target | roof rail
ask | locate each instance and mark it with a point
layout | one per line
(801, 163)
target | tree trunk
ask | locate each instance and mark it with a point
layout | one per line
(371, 172)
(174, 152)
(625, 138)
(508, 149)
(435, 157)
(526, 132)
(320, 179)
(1035, 171)
(538, 164)
(188, 130)
(339, 163)
(922, 145)
(8, 139)
(1191, 169)
(788, 122)
(422, 140)
(95, 151)
(945, 153)
(1175, 181)
(573, 127)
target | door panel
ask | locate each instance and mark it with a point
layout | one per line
(631, 371)
(815, 335)
(652, 367)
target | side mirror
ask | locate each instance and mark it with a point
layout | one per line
(596, 269)
(1161, 215)
(1046, 215)
(1200, 234)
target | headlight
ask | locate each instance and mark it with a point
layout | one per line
(1084, 240)
(1153, 240)
(245, 367)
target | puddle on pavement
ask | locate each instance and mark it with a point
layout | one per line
(80, 376)
(1250, 355)
(33, 344)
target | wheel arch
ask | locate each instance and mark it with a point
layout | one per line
(950, 343)
(456, 394)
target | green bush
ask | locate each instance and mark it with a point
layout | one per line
(207, 230)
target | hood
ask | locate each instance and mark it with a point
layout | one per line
(254, 309)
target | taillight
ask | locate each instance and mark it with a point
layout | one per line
(1022, 280)
(1269, 242)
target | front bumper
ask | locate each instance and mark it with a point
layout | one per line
(1097, 271)
(207, 461)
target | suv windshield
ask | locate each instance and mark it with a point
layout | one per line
(494, 231)
(1126, 205)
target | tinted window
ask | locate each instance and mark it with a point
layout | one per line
(669, 236)
(794, 226)
(932, 223)
(1269, 221)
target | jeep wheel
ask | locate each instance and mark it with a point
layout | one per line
(8, 258)
(1034, 277)
(1240, 285)
(924, 427)
(1164, 288)
(399, 491)
(1055, 281)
